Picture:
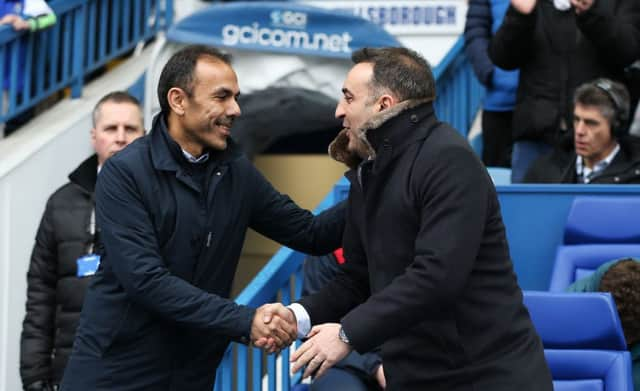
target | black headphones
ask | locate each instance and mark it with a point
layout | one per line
(619, 123)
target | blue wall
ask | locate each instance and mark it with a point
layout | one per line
(534, 216)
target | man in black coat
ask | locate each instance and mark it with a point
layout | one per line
(63, 257)
(602, 151)
(173, 210)
(427, 275)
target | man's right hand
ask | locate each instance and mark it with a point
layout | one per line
(524, 6)
(274, 327)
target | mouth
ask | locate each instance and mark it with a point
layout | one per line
(580, 145)
(224, 125)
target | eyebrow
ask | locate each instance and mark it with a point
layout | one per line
(345, 90)
(225, 91)
(590, 121)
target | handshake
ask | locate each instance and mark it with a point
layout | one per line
(274, 327)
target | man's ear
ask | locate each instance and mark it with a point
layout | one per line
(177, 98)
(386, 101)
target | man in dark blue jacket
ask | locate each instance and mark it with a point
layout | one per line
(173, 209)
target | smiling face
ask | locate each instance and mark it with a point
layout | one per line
(357, 104)
(593, 140)
(117, 124)
(205, 116)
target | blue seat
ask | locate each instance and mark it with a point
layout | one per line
(500, 175)
(577, 261)
(603, 220)
(583, 340)
(576, 320)
(586, 370)
(598, 229)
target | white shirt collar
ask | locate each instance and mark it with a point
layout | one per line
(586, 174)
(192, 159)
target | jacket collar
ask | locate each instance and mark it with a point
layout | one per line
(386, 131)
(627, 159)
(86, 174)
(166, 153)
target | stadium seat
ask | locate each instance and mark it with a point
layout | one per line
(604, 220)
(583, 340)
(598, 229)
(577, 261)
(500, 175)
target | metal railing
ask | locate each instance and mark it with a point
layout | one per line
(459, 92)
(87, 35)
(243, 368)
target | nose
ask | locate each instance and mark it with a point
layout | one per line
(340, 112)
(233, 109)
(121, 135)
(579, 128)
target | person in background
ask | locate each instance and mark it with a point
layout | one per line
(63, 257)
(21, 15)
(602, 152)
(30, 15)
(621, 278)
(558, 45)
(483, 20)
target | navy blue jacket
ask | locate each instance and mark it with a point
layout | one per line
(157, 314)
(484, 17)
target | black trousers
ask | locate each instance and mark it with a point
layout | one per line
(496, 138)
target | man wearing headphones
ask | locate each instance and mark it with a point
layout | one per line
(603, 151)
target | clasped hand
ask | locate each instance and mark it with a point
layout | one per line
(273, 328)
(321, 351)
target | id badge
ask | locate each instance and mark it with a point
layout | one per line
(88, 265)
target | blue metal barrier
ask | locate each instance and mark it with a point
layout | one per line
(279, 281)
(459, 93)
(87, 35)
(459, 96)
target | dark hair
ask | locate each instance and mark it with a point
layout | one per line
(610, 98)
(622, 280)
(400, 71)
(115, 97)
(178, 71)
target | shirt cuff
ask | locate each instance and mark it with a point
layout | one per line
(302, 318)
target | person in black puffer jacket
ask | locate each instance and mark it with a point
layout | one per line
(61, 260)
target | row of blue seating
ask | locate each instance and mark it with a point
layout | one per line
(581, 332)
